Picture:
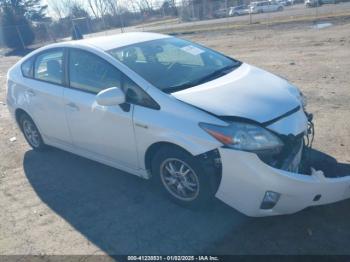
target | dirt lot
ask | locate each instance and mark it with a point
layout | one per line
(58, 203)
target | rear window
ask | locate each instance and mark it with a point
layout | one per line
(27, 68)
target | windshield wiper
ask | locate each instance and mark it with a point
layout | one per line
(216, 74)
(173, 89)
(222, 71)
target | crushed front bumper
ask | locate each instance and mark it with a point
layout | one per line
(246, 179)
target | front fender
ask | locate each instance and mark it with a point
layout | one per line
(154, 126)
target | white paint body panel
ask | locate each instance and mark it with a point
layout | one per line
(105, 131)
(247, 92)
(121, 139)
(245, 180)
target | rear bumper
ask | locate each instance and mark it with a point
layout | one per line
(245, 179)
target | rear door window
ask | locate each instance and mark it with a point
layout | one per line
(27, 68)
(49, 66)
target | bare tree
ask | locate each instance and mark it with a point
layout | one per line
(58, 8)
(112, 7)
(98, 7)
(144, 5)
(131, 5)
(63, 8)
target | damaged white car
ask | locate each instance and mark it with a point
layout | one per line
(201, 124)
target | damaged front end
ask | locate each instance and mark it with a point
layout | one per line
(280, 182)
(293, 157)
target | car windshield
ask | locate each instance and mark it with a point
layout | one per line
(173, 64)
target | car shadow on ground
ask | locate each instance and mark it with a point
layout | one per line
(119, 212)
(124, 214)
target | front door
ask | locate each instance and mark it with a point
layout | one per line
(106, 131)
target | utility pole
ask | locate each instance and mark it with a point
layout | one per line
(192, 8)
(250, 12)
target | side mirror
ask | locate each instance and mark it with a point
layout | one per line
(110, 97)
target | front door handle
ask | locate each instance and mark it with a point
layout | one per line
(73, 106)
(141, 125)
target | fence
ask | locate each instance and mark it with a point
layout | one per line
(184, 16)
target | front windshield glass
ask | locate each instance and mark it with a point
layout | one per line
(173, 64)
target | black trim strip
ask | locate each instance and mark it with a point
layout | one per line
(264, 124)
(290, 112)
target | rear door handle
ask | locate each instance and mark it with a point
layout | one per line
(30, 92)
(73, 106)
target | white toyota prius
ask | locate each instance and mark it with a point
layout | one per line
(201, 124)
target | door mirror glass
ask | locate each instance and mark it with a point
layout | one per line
(110, 97)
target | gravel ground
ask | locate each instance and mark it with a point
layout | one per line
(58, 203)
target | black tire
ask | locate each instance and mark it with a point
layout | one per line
(37, 143)
(207, 181)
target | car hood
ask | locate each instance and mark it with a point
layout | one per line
(247, 92)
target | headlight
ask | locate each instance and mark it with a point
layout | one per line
(243, 136)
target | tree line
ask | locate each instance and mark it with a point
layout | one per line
(23, 21)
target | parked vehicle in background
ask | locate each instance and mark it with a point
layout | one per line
(238, 10)
(220, 13)
(285, 2)
(312, 3)
(282, 2)
(329, 2)
(265, 6)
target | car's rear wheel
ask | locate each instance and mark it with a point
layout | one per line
(31, 132)
(183, 178)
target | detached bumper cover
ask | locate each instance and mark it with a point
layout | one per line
(245, 179)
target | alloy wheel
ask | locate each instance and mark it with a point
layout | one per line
(31, 133)
(179, 179)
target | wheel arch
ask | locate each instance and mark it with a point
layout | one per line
(210, 158)
(152, 149)
(18, 113)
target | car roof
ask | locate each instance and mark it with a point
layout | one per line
(113, 41)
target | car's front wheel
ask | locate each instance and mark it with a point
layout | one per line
(183, 177)
(31, 132)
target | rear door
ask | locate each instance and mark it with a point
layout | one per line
(104, 131)
(44, 89)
